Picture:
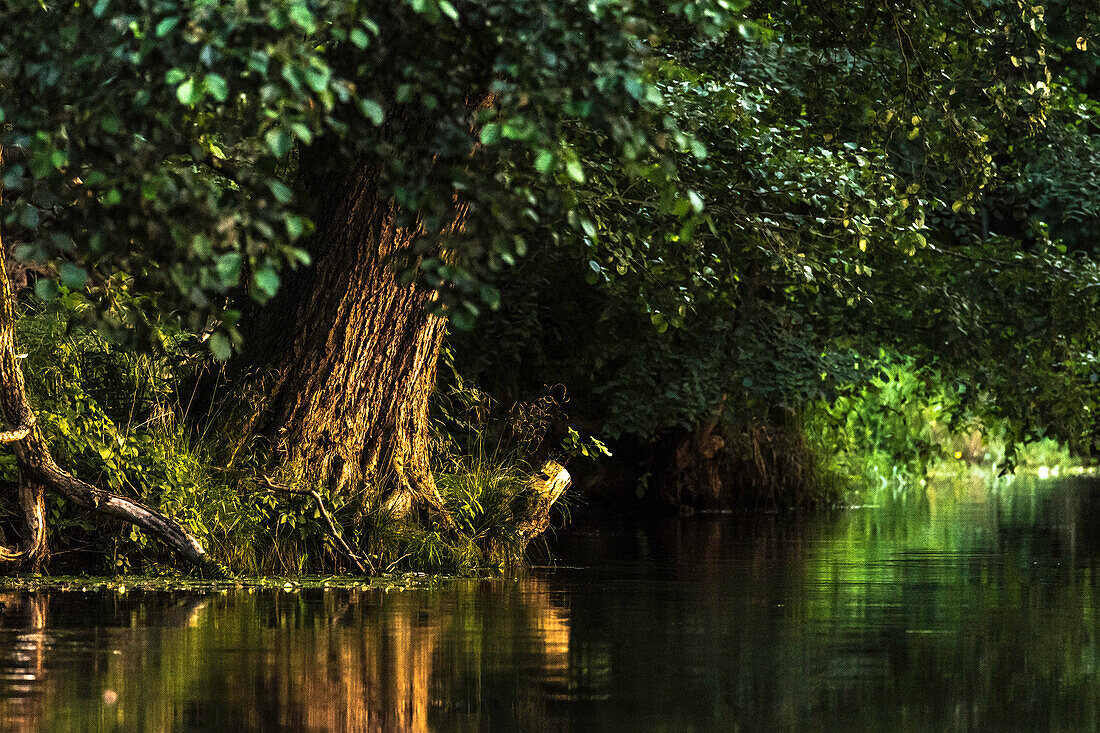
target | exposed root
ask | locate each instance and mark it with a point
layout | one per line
(414, 488)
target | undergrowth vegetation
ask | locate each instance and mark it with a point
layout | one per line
(120, 419)
(906, 422)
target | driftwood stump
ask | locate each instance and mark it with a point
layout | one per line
(544, 489)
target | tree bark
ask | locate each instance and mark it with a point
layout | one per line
(346, 354)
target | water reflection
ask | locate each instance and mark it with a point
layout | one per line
(311, 660)
(955, 610)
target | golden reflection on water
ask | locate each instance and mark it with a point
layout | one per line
(22, 676)
(334, 660)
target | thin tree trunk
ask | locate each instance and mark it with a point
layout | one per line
(38, 471)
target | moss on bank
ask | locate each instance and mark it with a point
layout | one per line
(290, 584)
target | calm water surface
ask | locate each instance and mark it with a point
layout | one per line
(956, 610)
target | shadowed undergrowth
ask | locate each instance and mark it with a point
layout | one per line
(119, 419)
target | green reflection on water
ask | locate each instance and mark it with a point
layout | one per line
(958, 609)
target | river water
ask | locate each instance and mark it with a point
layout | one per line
(960, 608)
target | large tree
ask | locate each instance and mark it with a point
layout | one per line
(319, 184)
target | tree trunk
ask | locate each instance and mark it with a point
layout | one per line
(348, 354)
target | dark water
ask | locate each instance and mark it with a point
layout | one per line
(956, 610)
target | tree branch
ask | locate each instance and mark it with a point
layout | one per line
(17, 434)
(37, 469)
(333, 529)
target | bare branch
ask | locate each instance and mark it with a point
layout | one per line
(336, 536)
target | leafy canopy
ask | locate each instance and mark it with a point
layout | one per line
(158, 138)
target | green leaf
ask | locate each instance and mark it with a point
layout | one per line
(166, 26)
(544, 162)
(300, 255)
(218, 344)
(359, 38)
(575, 171)
(462, 320)
(295, 226)
(490, 296)
(372, 110)
(28, 217)
(228, 266)
(258, 61)
(189, 93)
(73, 276)
(490, 134)
(448, 9)
(281, 191)
(302, 132)
(301, 16)
(316, 77)
(217, 86)
(267, 280)
(13, 175)
(696, 201)
(279, 141)
(113, 197)
(45, 289)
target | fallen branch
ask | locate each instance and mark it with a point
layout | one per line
(333, 529)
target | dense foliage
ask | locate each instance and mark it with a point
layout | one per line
(874, 178)
(765, 216)
(156, 135)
